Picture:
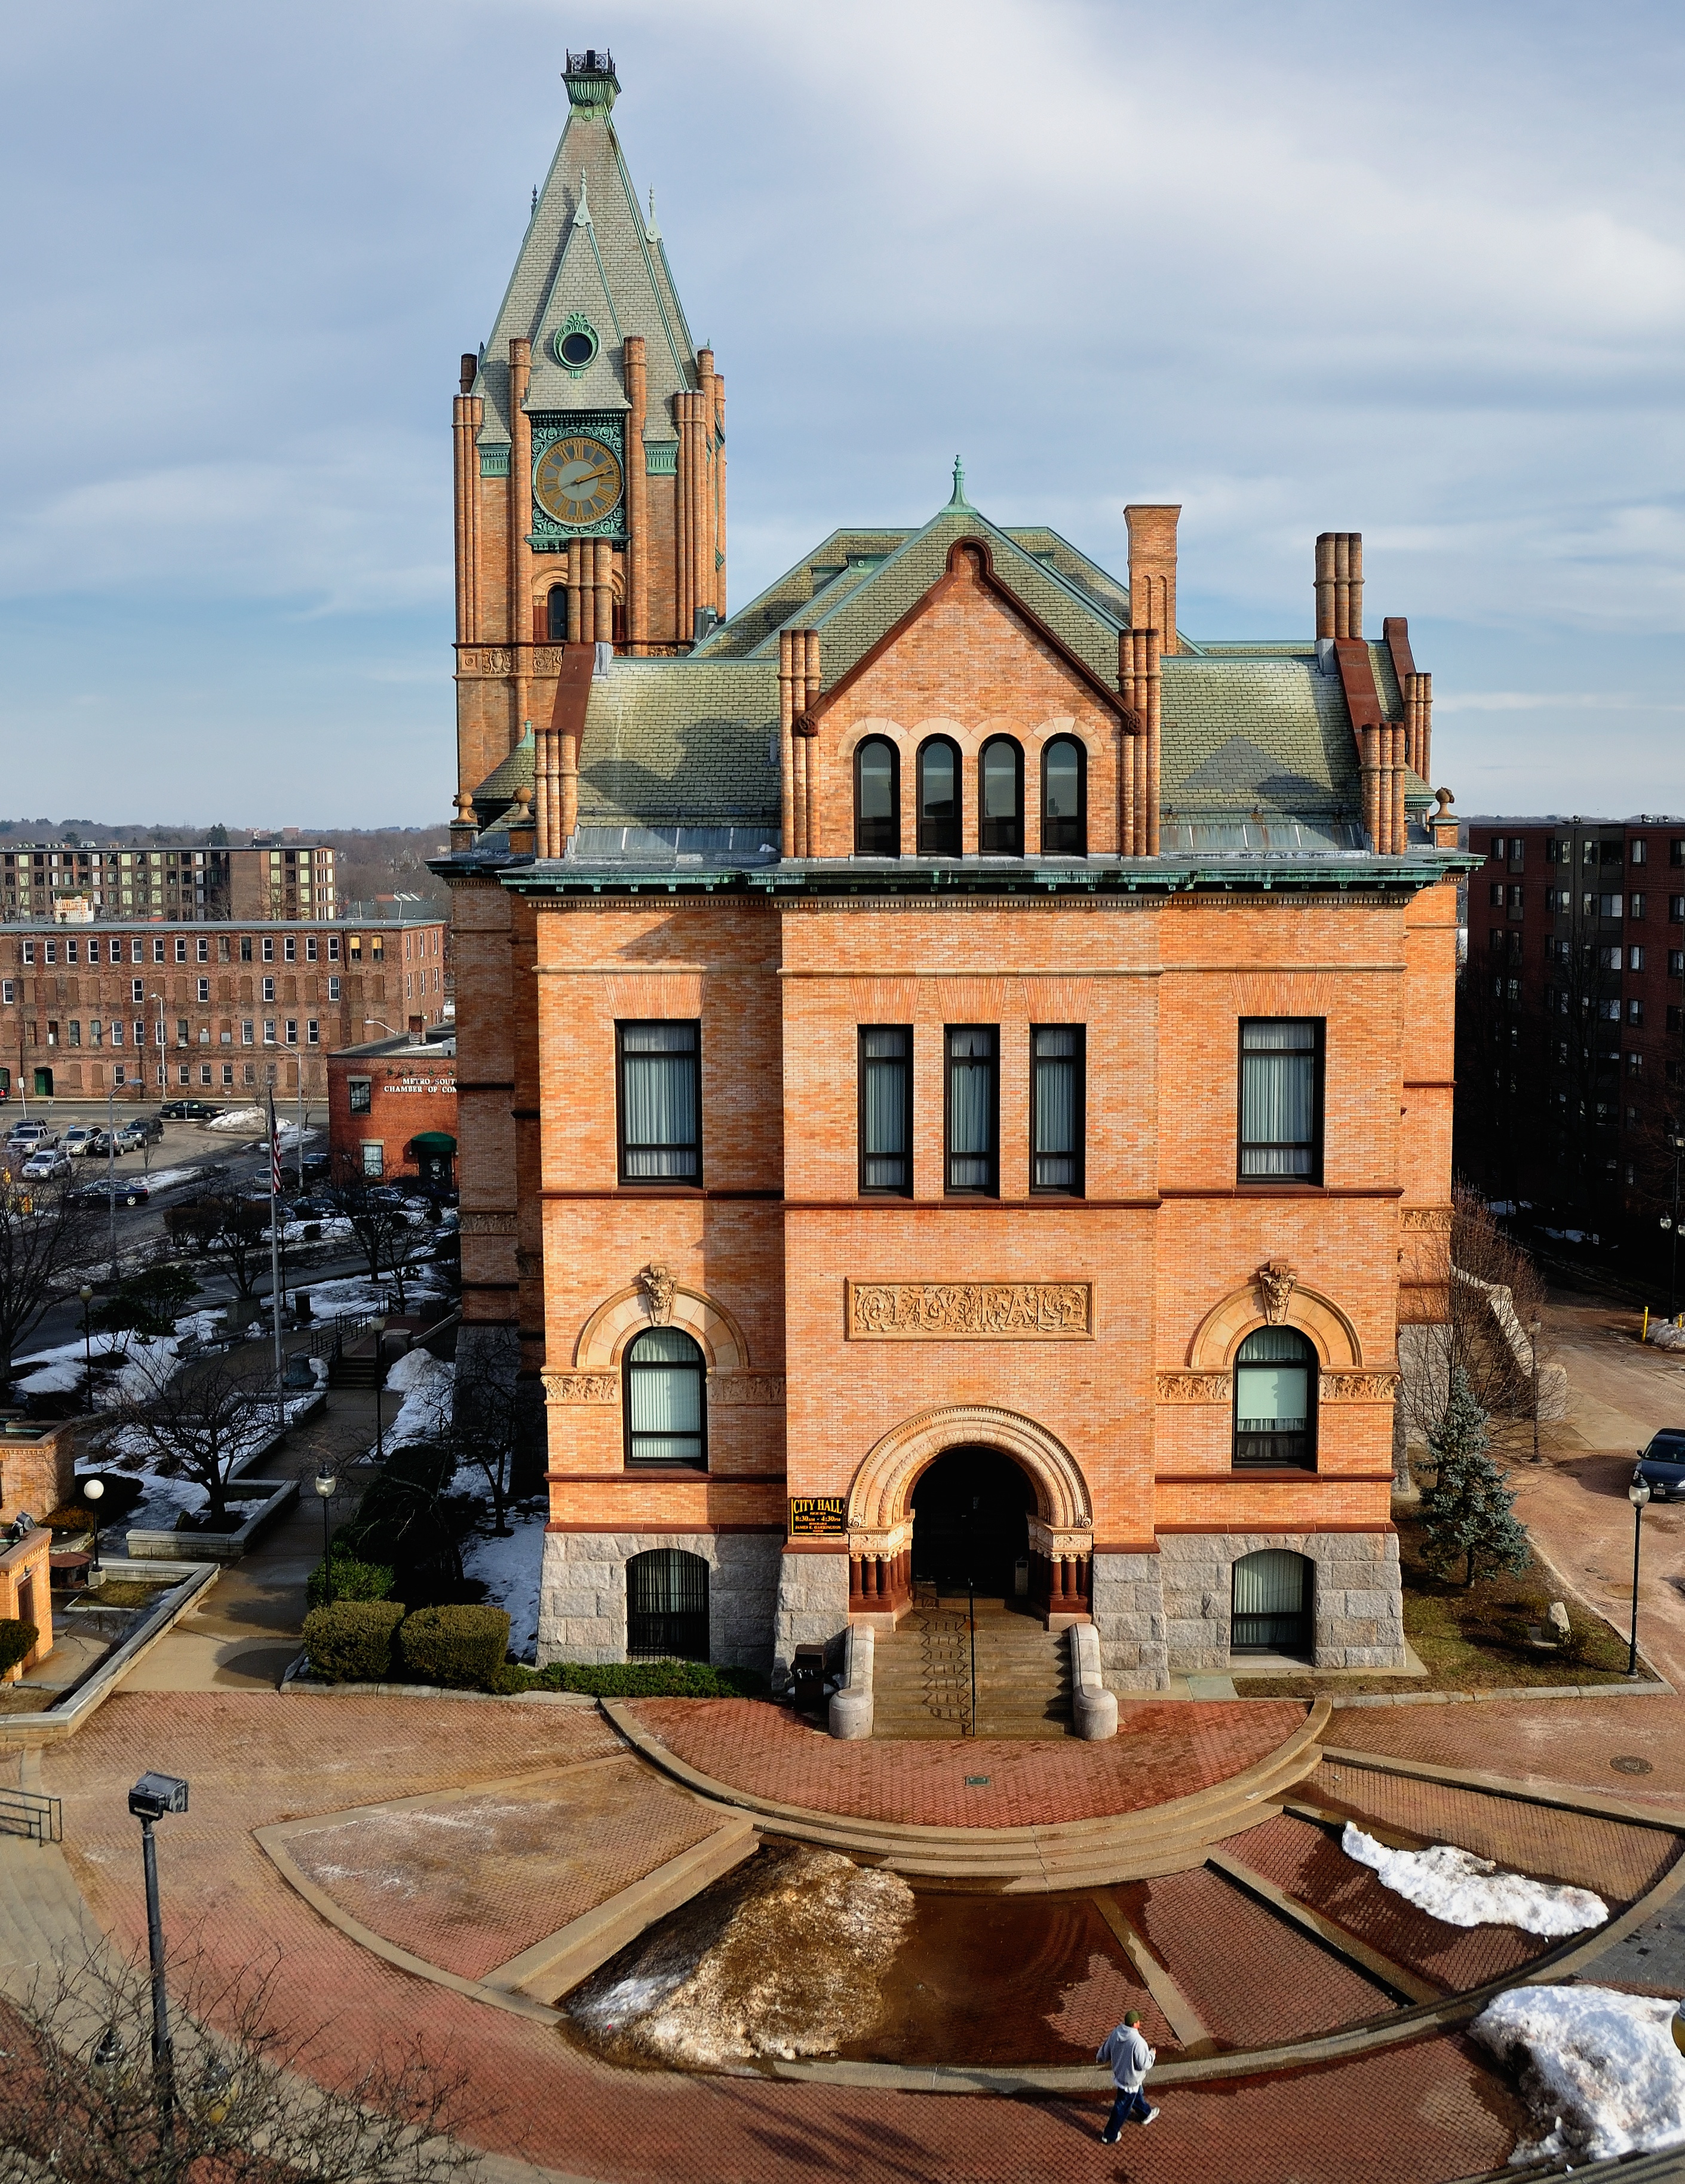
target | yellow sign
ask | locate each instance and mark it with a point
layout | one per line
(817, 1516)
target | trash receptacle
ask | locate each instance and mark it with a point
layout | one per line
(808, 1678)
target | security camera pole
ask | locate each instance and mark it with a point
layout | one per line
(151, 1798)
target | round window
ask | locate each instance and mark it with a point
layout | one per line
(576, 344)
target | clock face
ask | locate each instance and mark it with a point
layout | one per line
(577, 480)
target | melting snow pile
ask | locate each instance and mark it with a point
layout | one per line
(238, 1118)
(783, 1958)
(510, 1570)
(426, 1382)
(1465, 1891)
(1598, 2069)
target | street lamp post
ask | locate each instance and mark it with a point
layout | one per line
(327, 1486)
(1637, 1494)
(1535, 1327)
(151, 1798)
(1676, 1140)
(93, 1492)
(86, 1295)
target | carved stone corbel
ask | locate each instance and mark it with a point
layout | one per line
(656, 1281)
(1275, 1281)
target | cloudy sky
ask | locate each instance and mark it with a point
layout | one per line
(1413, 271)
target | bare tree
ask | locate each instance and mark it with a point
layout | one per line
(482, 1434)
(195, 1424)
(84, 2104)
(45, 1237)
(392, 1242)
(1490, 1295)
(229, 1232)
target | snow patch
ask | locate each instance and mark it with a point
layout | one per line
(148, 1361)
(427, 1388)
(508, 1570)
(1600, 2070)
(238, 1118)
(1465, 1891)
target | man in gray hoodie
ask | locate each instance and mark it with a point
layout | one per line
(1129, 2058)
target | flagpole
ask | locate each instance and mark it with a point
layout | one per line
(275, 1240)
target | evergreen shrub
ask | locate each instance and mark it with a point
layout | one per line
(351, 1641)
(648, 1680)
(352, 1580)
(460, 1647)
(17, 1643)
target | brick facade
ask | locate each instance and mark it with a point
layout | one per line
(385, 1095)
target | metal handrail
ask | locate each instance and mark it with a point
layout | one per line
(22, 1813)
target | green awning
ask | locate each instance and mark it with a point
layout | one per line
(433, 1141)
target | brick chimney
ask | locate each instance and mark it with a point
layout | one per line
(1340, 584)
(1153, 569)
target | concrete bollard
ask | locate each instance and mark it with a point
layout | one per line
(1093, 1709)
(850, 1711)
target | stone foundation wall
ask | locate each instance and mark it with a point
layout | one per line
(1129, 1614)
(581, 1599)
(1357, 1605)
(813, 1605)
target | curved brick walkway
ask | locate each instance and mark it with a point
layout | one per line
(1535, 1740)
(1427, 2112)
(1161, 1751)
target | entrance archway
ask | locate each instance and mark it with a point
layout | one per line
(971, 1512)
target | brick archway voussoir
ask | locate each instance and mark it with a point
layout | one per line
(1226, 1325)
(614, 1322)
(879, 1495)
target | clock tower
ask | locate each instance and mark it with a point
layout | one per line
(589, 436)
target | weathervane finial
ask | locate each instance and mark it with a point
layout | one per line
(959, 499)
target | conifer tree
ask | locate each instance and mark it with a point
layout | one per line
(1466, 1511)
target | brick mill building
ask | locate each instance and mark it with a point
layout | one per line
(392, 1108)
(955, 1075)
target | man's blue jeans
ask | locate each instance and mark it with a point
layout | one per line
(1128, 2107)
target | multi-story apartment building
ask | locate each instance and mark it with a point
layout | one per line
(73, 881)
(133, 1009)
(1571, 1062)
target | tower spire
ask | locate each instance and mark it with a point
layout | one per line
(958, 499)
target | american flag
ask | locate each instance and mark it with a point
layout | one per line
(274, 1152)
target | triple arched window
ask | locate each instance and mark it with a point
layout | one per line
(938, 799)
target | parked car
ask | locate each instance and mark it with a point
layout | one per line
(41, 1167)
(30, 1135)
(77, 1139)
(127, 1189)
(188, 1111)
(142, 1130)
(1661, 1466)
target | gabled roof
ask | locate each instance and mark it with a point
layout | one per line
(588, 248)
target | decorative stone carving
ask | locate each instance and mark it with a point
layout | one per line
(733, 1389)
(1431, 1220)
(969, 1312)
(1357, 1387)
(488, 660)
(529, 1265)
(657, 1284)
(1275, 1284)
(582, 1387)
(1193, 1387)
(487, 1224)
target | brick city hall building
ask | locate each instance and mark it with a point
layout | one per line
(954, 1076)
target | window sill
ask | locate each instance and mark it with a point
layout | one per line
(1270, 1471)
(665, 1471)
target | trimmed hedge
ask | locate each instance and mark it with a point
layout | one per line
(352, 1580)
(17, 1642)
(461, 1648)
(350, 1642)
(647, 1680)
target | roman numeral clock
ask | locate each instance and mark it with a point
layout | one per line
(579, 479)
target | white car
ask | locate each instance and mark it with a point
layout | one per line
(28, 1137)
(43, 1166)
(76, 1141)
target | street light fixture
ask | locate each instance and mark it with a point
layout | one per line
(93, 1493)
(86, 1295)
(1637, 1494)
(327, 1486)
(151, 1798)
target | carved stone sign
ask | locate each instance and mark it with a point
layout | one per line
(969, 1312)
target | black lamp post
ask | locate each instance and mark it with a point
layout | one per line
(1676, 1140)
(86, 1295)
(1637, 1494)
(1535, 1327)
(327, 1486)
(93, 1493)
(151, 1798)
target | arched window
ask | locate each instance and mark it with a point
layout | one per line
(666, 1606)
(1275, 1400)
(1271, 1603)
(1064, 799)
(938, 799)
(556, 615)
(665, 1400)
(1000, 800)
(876, 798)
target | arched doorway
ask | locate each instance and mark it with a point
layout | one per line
(970, 1523)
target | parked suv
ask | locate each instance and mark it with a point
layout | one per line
(79, 1140)
(41, 1167)
(1661, 1466)
(30, 1136)
(144, 1130)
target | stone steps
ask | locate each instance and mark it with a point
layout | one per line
(922, 1678)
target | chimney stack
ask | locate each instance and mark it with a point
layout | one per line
(1153, 569)
(1340, 584)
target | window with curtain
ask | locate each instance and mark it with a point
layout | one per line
(1271, 1603)
(886, 1108)
(1064, 799)
(666, 1606)
(1056, 1107)
(1000, 806)
(665, 1405)
(1281, 1133)
(1275, 1400)
(938, 799)
(973, 1107)
(876, 798)
(661, 1106)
